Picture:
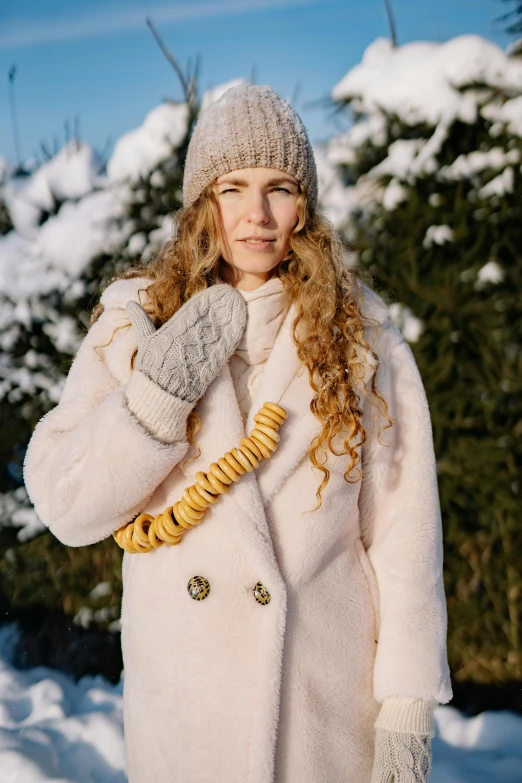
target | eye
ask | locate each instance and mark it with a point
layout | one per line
(235, 190)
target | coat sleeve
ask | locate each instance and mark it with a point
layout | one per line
(401, 528)
(90, 465)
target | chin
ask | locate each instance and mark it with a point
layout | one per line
(256, 269)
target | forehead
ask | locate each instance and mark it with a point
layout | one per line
(256, 175)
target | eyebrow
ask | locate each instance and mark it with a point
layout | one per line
(242, 183)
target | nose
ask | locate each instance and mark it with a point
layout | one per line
(257, 208)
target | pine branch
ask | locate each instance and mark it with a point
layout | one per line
(514, 18)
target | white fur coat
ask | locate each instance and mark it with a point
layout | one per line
(228, 689)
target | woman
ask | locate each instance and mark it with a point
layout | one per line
(316, 648)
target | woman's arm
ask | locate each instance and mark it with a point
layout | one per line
(402, 529)
(91, 465)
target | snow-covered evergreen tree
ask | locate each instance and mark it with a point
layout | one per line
(432, 186)
(66, 228)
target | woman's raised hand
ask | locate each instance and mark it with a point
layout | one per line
(183, 356)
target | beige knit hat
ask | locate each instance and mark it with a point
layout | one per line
(249, 126)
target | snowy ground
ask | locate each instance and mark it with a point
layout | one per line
(53, 730)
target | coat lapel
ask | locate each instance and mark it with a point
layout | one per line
(283, 381)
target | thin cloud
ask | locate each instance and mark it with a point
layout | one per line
(23, 34)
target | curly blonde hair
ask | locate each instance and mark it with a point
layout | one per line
(327, 295)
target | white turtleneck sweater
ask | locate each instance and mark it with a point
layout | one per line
(266, 310)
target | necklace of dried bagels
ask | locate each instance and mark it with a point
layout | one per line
(146, 532)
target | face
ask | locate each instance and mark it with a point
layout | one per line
(255, 204)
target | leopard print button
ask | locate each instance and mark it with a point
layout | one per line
(261, 594)
(198, 587)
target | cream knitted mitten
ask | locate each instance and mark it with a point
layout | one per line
(401, 757)
(176, 363)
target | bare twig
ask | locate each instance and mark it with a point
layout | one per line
(188, 82)
(77, 130)
(104, 154)
(192, 97)
(391, 22)
(170, 57)
(295, 94)
(45, 150)
(11, 77)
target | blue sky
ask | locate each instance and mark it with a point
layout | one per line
(97, 58)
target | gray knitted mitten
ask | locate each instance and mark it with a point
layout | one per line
(176, 363)
(401, 757)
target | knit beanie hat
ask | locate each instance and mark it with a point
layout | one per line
(249, 126)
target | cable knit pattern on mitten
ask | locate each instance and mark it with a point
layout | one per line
(182, 357)
(401, 757)
(176, 364)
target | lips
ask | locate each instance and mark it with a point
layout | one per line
(253, 244)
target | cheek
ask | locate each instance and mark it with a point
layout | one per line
(288, 218)
(228, 220)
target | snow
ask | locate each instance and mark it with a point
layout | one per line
(491, 272)
(394, 194)
(101, 590)
(56, 730)
(139, 151)
(466, 166)
(22, 272)
(403, 318)
(63, 332)
(421, 81)
(86, 616)
(16, 510)
(337, 201)
(137, 243)
(401, 155)
(480, 749)
(71, 174)
(63, 245)
(438, 235)
(215, 93)
(428, 86)
(82, 230)
(508, 114)
(500, 185)
(66, 213)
